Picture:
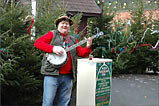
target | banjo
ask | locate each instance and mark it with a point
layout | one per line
(59, 60)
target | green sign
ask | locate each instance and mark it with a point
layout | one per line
(103, 84)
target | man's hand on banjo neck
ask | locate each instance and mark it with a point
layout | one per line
(89, 42)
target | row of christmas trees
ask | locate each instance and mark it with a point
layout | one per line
(133, 46)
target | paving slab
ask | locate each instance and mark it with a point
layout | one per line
(135, 90)
(132, 90)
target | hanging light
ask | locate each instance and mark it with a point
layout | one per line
(148, 1)
(110, 3)
(124, 4)
(98, 2)
(155, 1)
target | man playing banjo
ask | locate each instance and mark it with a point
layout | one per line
(58, 75)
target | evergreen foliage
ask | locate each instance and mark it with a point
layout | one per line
(103, 24)
(21, 82)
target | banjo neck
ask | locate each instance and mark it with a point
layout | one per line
(82, 42)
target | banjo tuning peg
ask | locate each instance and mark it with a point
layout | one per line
(101, 33)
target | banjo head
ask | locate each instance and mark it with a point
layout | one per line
(57, 60)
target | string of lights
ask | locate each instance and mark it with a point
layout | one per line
(128, 4)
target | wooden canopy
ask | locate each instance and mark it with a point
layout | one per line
(87, 7)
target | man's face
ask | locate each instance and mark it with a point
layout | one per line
(63, 27)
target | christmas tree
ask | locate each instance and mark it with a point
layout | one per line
(21, 82)
(96, 25)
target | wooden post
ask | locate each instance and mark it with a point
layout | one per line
(33, 4)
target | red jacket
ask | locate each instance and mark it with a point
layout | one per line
(42, 44)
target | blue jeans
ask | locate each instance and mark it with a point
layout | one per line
(62, 85)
